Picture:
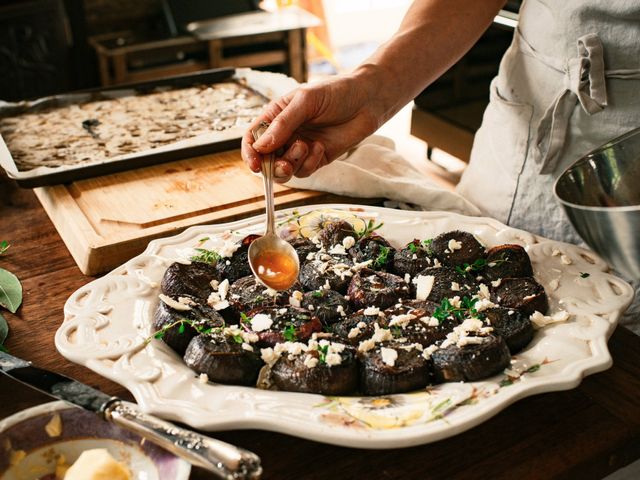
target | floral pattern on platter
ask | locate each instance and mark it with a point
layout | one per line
(108, 321)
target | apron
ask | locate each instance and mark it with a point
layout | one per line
(569, 82)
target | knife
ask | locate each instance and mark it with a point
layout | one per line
(225, 460)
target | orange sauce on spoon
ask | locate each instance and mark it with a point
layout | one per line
(276, 270)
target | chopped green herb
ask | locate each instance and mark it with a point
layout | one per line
(237, 338)
(396, 331)
(203, 239)
(159, 334)
(206, 256)
(412, 247)
(244, 319)
(446, 309)
(382, 258)
(322, 351)
(289, 333)
(197, 325)
(4, 246)
(318, 294)
(427, 246)
(584, 274)
(476, 266)
(181, 328)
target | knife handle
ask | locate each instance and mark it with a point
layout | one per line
(225, 460)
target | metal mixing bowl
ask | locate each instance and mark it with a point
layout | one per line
(601, 194)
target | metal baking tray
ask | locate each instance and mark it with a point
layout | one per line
(265, 83)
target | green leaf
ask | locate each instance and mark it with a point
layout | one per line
(4, 329)
(4, 246)
(10, 291)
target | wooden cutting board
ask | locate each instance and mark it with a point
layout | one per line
(105, 221)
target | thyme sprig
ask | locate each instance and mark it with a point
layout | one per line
(289, 333)
(322, 353)
(466, 309)
(382, 258)
(369, 229)
(181, 324)
(476, 266)
(4, 246)
(206, 256)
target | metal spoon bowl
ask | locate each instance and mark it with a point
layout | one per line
(273, 261)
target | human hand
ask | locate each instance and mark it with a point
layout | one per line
(312, 126)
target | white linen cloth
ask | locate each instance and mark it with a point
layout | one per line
(373, 169)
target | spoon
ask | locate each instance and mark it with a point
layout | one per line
(273, 261)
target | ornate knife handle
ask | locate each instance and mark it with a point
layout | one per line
(225, 460)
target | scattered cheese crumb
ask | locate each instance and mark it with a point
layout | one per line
(424, 284)
(389, 356)
(540, 320)
(261, 322)
(170, 302)
(203, 378)
(454, 245)
(565, 260)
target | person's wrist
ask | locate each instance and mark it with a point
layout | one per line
(377, 84)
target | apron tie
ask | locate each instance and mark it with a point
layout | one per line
(584, 82)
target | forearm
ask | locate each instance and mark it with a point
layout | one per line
(433, 35)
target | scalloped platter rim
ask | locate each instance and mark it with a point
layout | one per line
(107, 321)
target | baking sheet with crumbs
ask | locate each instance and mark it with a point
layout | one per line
(68, 137)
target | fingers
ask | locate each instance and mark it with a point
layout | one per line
(303, 165)
(294, 112)
(252, 158)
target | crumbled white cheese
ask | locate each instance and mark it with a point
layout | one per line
(326, 285)
(348, 242)
(354, 332)
(424, 284)
(483, 304)
(401, 320)
(483, 291)
(554, 283)
(261, 322)
(371, 311)
(427, 352)
(470, 341)
(269, 356)
(271, 292)
(340, 310)
(366, 345)
(455, 302)
(555, 252)
(203, 378)
(455, 286)
(565, 260)
(381, 334)
(528, 297)
(214, 284)
(414, 257)
(186, 301)
(359, 266)
(496, 283)
(223, 289)
(389, 356)
(540, 320)
(436, 263)
(407, 278)
(296, 298)
(338, 249)
(228, 249)
(310, 361)
(170, 302)
(332, 358)
(454, 245)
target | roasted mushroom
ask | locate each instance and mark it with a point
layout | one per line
(192, 279)
(224, 358)
(379, 289)
(524, 294)
(507, 261)
(457, 248)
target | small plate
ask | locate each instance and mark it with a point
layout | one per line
(108, 321)
(24, 439)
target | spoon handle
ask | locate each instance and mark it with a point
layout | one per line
(267, 167)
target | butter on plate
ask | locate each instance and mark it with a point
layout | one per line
(97, 464)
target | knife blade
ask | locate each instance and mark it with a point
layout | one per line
(225, 460)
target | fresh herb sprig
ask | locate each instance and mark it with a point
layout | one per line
(466, 309)
(322, 353)
(476, 266)
(369, 229)
(383, 256)
(206, 256)
(289, 333)
(10, 295)
(4, 246)
(181, 324)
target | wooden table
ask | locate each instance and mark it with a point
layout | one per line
(584, 433)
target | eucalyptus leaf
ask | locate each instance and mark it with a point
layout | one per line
(4, 329)
(10, 291)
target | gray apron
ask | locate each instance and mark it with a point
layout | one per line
(569, 82)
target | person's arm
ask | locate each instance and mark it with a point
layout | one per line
(318, 122)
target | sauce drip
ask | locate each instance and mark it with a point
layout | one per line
(276, 270)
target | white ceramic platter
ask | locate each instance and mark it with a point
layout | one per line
(107, 322)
